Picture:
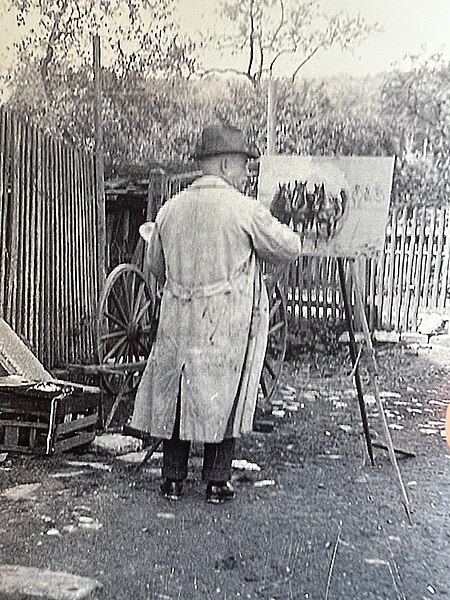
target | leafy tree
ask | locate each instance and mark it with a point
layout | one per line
(417, 97)
(52, 77)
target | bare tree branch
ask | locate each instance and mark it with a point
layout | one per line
(277, 56)
(251, 39)
(305, 60)
(280, 26)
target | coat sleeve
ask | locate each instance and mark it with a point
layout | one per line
(157, 263)
(273, 241)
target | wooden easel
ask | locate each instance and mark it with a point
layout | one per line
(355, 358)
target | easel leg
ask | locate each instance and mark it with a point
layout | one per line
(354, 358)
(387, 434)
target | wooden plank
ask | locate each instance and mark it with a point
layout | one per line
(442, 301)
(438, 259)
(11, 437)
(26, 424)
(418, 270)
(400, 263)
(22, 306)
(391, 270)
(429, 234)
(32, 258)
(382, 278)
(72, 259)
(13, 250)
(408, 276)
(49, 272)
(90, 204)
(16, 358)
(73, 442)
(60, 267)
(4, 204)
(76, 425)
(40, 202)
(89, 303)
(82, 348)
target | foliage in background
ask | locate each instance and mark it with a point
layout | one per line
(154, 106)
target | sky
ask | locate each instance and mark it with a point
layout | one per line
(409, 27)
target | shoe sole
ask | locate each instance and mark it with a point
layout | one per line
(218, 500)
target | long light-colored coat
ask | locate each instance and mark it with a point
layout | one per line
(213, 325)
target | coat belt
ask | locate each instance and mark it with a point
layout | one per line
(223, 286)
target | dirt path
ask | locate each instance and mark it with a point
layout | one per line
(330, 527)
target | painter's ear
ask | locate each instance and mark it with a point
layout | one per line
(224, 164)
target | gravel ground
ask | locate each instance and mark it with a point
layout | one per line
(323, 524)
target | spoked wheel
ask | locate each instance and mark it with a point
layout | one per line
(125, 327)
(276, 344)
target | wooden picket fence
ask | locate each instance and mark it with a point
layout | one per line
(48, 242)
(411, 274)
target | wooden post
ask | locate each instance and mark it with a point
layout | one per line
(99, 165)
(272, 117)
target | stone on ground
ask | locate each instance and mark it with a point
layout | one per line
(26, 491)
(414, 338)
(386, 337)
(116, 444)
(18, 581)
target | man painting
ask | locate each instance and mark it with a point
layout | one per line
(201, 380)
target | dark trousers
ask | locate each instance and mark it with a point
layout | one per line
(217, 458)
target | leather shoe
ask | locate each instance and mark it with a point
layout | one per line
(218, 492)
(172, 489)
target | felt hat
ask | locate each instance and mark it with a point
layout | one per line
(223, 139)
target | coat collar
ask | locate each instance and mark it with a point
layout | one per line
(211, 182)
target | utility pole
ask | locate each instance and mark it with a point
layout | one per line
(99, 162)
(272, 117)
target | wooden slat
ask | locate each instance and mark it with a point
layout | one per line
(77, 440)
(16, 140)
(5, 181)
(41, 231)
(72, 258)
(399, 266)
(77, 424)
(409, 271)
(31, 257)
(438, 260)
(445, 260)
(91, 211)
(88, 283)
(417, 270)
(429, 233)
(49, 258)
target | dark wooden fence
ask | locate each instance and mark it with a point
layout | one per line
(48, 242)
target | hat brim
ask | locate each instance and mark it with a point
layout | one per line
(250, 154)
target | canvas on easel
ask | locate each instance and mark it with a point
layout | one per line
(338, 205)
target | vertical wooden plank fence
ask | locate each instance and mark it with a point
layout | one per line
(48, 242)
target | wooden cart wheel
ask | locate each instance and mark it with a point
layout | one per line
(276, 343)
(125, 326)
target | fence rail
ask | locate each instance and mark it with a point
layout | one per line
(48, 242)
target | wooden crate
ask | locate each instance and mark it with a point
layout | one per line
(47, 418)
